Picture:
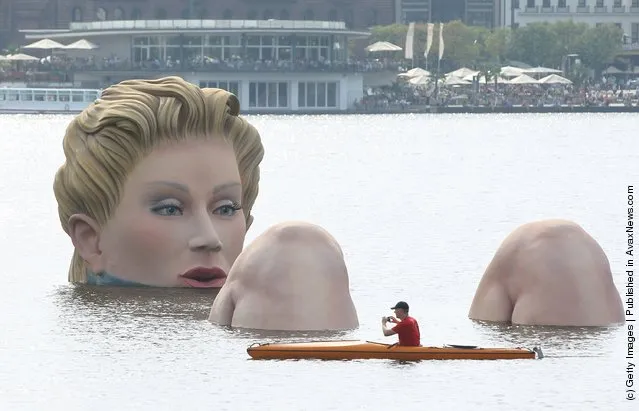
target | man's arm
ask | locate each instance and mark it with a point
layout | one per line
(387, 331)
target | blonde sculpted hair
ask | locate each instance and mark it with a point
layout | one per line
(105, 142)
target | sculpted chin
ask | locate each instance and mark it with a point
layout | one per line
(548, 272)
(292, 277)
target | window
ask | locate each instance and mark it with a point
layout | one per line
(268, 94)
(600, 3)
(530, 4)
(617, 3)
(101, 14)
(230, 86)
(561, 4)
(635, 3)
(634, 36)
(317, 94)
(261, 47)
(118, 14)
(213, 46)
(313, 48)
(545, 3)
(372, 18)
(581, 3)
(76, 15)
(349, 18)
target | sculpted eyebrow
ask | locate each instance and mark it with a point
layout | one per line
(171, 184)
(225, 186)
(184, 188)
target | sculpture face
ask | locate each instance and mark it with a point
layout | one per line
(180, 209)
(292, 277)
(549, 272)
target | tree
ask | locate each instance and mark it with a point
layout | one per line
(497, 43)
(536, 44)
(568, 35)
(541, 44)
(460, 44)
(599, 45)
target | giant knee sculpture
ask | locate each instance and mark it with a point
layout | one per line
(548, 272)
(292, 277)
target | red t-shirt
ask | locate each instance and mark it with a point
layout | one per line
(408, 332)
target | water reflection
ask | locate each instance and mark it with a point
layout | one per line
(136, 301)
(555, 341)
(270, 336)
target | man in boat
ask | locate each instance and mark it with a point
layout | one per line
(406, 327)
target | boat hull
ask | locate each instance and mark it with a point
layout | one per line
(360, 350)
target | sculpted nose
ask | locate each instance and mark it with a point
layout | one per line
(206, 237)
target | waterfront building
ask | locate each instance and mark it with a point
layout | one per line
(472, 12)
(57, 14)
(623, 13)
(272, 66)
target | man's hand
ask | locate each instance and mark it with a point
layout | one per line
(393, 320)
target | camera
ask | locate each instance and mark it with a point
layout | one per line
(389, 318)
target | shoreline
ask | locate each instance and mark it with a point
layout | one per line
(410, 110)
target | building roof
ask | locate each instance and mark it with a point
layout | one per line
(153, 27)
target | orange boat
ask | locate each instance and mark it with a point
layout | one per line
(357, 350)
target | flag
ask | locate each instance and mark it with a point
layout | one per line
(441, 40)
(429, 39)
(408, 50)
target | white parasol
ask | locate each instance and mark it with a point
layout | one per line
(554, 79)
(81, 45)
(523, 79)
(382, 46)
(44, 44)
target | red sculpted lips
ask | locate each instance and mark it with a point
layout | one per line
(201, 277)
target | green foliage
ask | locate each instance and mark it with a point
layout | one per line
(538, 44)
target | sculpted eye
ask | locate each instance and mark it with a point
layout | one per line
(228, 210)
(168, 210)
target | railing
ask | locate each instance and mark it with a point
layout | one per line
(602, 9)
(563, 9)
(619, 9)
(630, 47)
(206, 25)
(531, 9)
(583, 9)
(549, 9)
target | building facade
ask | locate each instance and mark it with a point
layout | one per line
(624, 13)
(272, 66)
(484, 13)
(57, 14)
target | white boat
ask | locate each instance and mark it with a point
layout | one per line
(46, 100)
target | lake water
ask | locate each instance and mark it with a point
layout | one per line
(419, 203)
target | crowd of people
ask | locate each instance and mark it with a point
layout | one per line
(59, 69)
(60, 66)
(402, 96)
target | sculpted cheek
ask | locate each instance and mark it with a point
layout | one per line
(136, 246)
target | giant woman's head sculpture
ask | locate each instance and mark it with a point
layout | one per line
(158, 185)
